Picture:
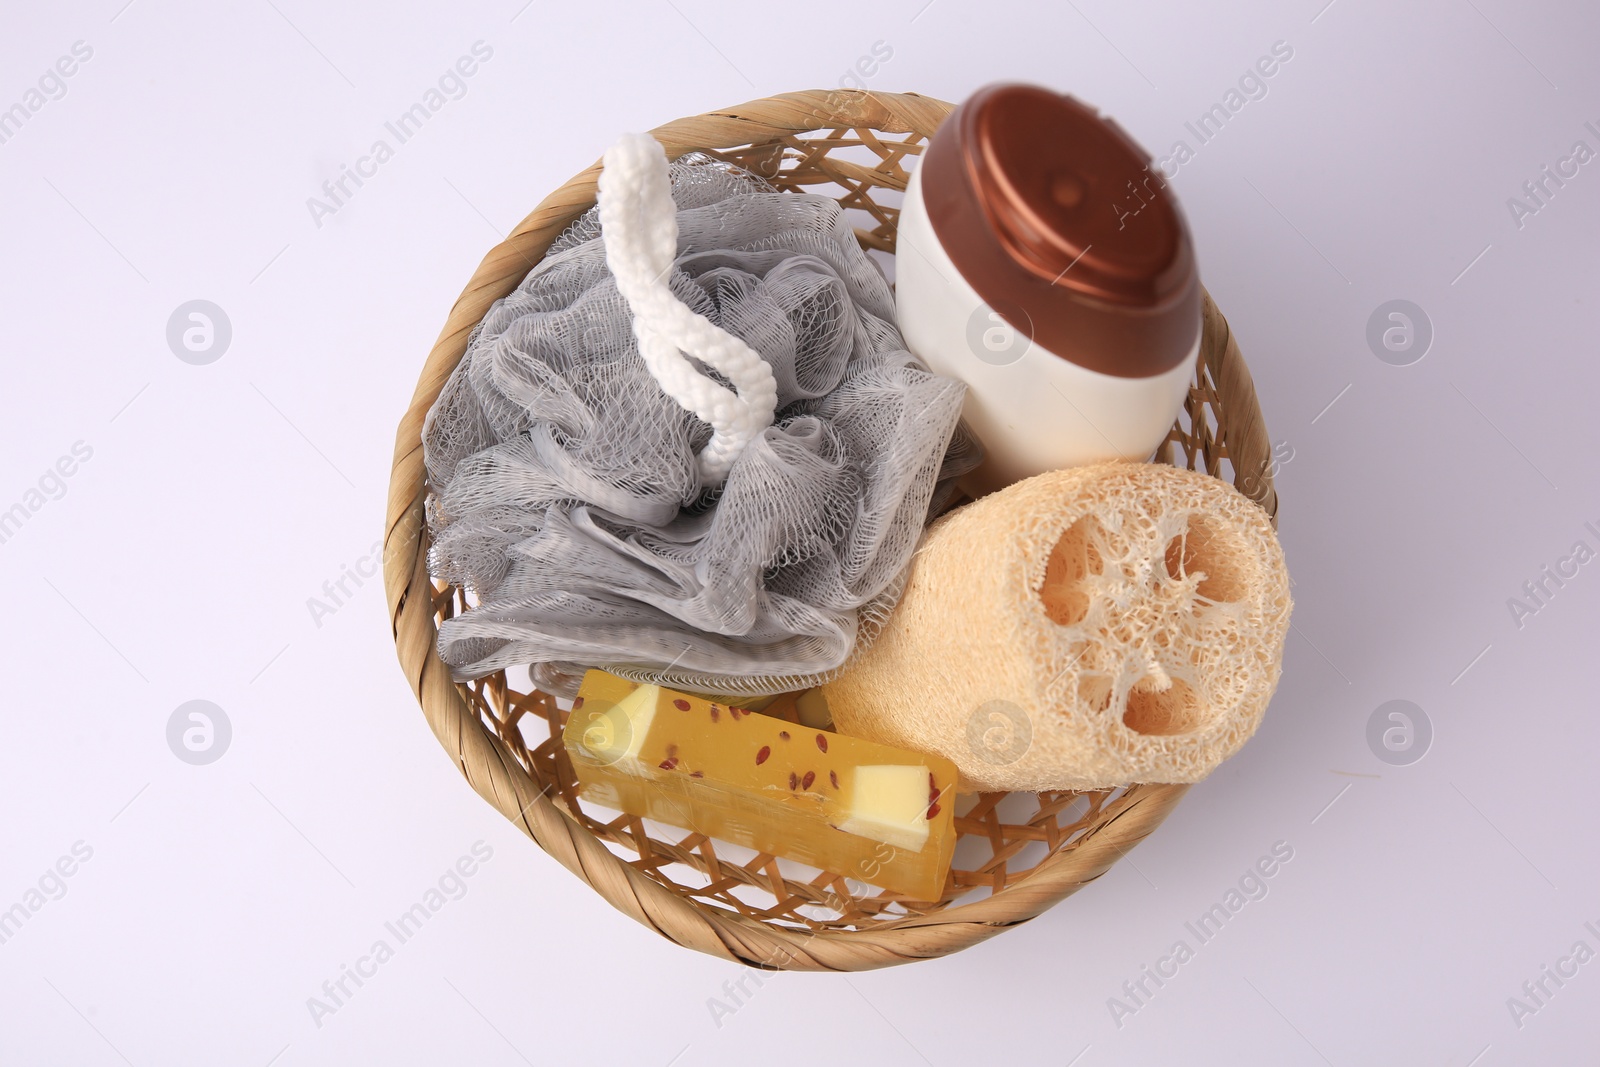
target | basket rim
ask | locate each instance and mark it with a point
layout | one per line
(501, 780)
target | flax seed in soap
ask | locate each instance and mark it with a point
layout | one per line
(867, 811)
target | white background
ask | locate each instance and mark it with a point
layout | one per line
(179, 561)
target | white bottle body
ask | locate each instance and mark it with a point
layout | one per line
(1033, 410)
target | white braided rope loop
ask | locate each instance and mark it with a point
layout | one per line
(640, 223)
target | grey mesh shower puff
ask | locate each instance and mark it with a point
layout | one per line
(565, 496)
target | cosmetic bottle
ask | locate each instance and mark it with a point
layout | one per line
(1044, 261)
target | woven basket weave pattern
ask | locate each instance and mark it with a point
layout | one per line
(1019, 853)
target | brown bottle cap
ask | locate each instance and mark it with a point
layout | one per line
(1052, 214)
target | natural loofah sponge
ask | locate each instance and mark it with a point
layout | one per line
(1082, 629)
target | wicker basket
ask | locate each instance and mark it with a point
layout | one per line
(1018, 854)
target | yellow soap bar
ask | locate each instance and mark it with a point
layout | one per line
(871, 812)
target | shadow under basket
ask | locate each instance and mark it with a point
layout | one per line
(1018, 853)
